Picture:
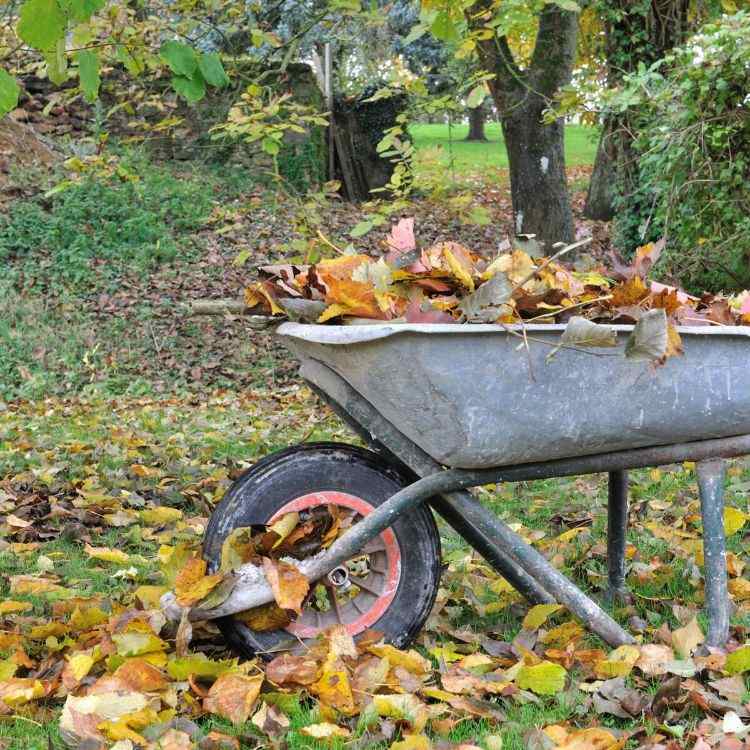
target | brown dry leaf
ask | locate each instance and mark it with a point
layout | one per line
(174, 739)
(233, 697)
(583, 739)
(284, 527)
(630, 293)
(289, 586)
(35, 585)
(286, 668)
(685, 640)
(264, 618)
(192, 584)
(654, 659)
(141, 676)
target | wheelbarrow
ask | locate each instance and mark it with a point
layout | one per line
(445, 408)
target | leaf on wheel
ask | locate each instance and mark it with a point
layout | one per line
(489, 302)
(238, 548)
(264, 618)
(233, 697)
(289, 586)
(283, 527)
(192, 584)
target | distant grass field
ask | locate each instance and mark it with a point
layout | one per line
(433, 143)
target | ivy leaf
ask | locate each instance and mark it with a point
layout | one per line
(8, 93)
(42, 24)
(191, 89)
(212, 70)
(88, 73)
(181, 59)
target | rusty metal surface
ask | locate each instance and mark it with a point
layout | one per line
(474, 396)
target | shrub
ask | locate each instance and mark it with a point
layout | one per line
(692, 112)
(104, 220)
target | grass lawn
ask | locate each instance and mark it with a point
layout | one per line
(436, 142)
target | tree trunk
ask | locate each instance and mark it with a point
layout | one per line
(599, 201)
(477, 116)
(536, 149)
(536, 156)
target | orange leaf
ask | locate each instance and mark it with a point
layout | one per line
(289, 586)
(233, 697)
(140, 676)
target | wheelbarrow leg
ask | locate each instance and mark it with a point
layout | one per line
(617, 528)
(711, 485)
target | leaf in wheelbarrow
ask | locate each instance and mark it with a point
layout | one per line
(284, 526)
(582, 332)
(650, 338)
(289, 586)
(238, 548)
(264, 618)
(489, 302)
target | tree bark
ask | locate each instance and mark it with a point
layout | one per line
(536, 149)
(536, 156)
(600, 197)
(477, 117)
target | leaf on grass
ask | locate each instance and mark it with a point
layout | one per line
(160, 516)
(286, 668)
(325, 731)
(11, 607)
(141, 676)
(619, 663)
(333, 689)
(686, 639)
(738, 661)
(734, 520)
(593, 738)
(653, 659)
(233, 697)
(402, 707)
(107, 555)
(545, 678)
(289, 586)
(539, 614)
(410, 660)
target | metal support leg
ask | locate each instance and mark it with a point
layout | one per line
(617, 527)
(711, 485)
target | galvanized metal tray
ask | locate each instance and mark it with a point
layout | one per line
(478, 396)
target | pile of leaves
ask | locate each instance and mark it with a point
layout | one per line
(449, 283)
(128, 680)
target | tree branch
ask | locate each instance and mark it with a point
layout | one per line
(554, 53)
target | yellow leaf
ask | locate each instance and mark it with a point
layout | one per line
(80, 665)
(593, 738)
(410, 660)
(325, 731)
(24, 584)
(563, 634)
(739, 588)
(192, 584)
(738, 661)
(160, 516)
(734, 520)
(284, 526)
(537, 616)
(106, 554)
(10, 607)
(333, 689)
(20, 690)
(619, 663)
(149, 596)
(402, 707)
(458, 270)
(138, 644)
(412, 742)
(545, 678)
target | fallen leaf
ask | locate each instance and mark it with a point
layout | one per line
(233, 697)
(289, 586)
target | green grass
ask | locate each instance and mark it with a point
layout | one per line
(436, 144)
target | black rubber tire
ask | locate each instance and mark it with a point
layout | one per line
(290, 473)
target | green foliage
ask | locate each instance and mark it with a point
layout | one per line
(694, 166)
(102, 225)
(9, 92)
(88, 72)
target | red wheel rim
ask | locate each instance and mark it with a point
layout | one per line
(377, 589)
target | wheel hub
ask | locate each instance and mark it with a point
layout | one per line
(359, 591)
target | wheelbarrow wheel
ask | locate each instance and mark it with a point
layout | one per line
(389, 587)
